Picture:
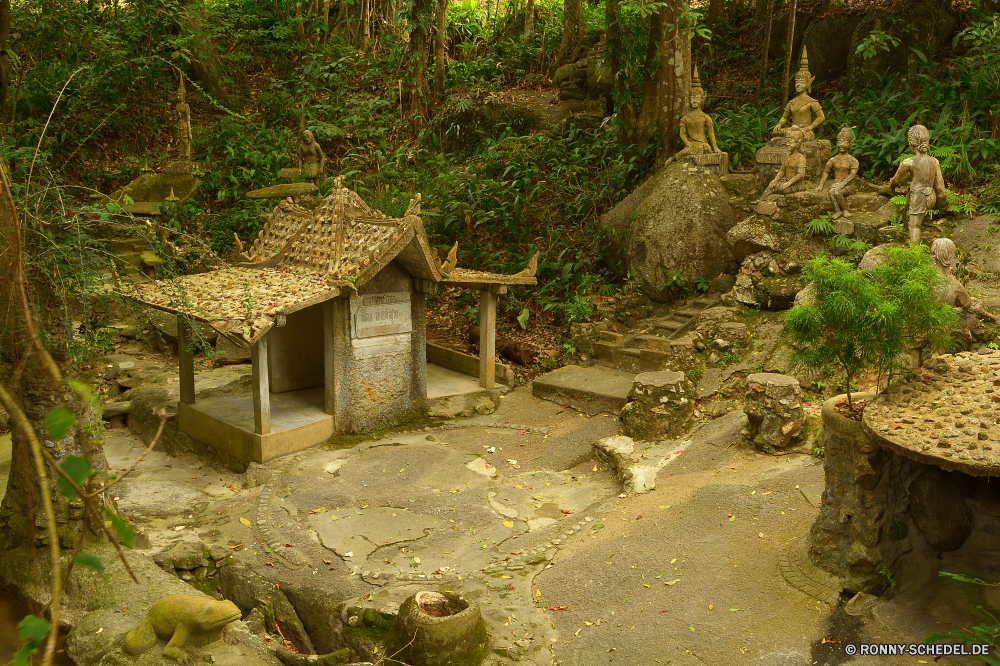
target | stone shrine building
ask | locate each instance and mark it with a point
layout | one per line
(332, 304)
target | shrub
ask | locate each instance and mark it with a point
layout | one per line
(866, 319)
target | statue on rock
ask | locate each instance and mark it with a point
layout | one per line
(182, 619)
(923, 173)
(845, 168)
(312, 159)
(803, 115)
(184, 135)
(696, 125)
(791, 177)
(804, 112)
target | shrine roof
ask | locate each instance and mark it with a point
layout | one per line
(945, 416)
(301, 258)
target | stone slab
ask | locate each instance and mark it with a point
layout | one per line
(360, 531)
(283, 190)
(591, 390)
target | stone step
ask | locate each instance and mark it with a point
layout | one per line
(591, 390)
(668, 325)
(137, 245)
(645, 341)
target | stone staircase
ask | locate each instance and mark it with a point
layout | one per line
(649, 351)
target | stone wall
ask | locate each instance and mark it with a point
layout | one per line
(382, 363)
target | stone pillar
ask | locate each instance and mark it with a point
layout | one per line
(659, 405)
(774, 406)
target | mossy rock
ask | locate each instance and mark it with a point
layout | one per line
(453, 640)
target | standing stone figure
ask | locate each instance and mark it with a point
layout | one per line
(803, 111)
(312, 159)
(845, 168)
(923, 173)
(952, 292)
(790, 177)
(184, 135)
(696, 124)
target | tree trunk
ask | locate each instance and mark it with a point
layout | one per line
(419, 92)
(614, 42)
(529, 21)
(569, 48)
(442, 34)
(4, 63)
(299, 26)
(715, 8)
(788, 53)
(666, 85)
(767, 47)
(205, 61)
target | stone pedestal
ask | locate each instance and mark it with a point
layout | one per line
(717, 162)
(659, 405)
(774, 406)
(770, 157)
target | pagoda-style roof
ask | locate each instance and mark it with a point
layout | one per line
(301, 258)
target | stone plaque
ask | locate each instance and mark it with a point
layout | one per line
(378, 315)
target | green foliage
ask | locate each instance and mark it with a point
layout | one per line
(58, 421)
(76, 468)
(31, 631)
(90, 561)
(241, 155)
(885, 573)
(124, 532)
(877, 41)
(741, 130)
(579, 309)
(987, 632)
(843, 244)
(821, 226)
(864, 320)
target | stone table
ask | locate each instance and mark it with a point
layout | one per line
(947, 416)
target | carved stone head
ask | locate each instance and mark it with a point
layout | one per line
(920, 139)
(845, 139)
(803, 78)
(697, 92)
(307, 137)
(945, 252)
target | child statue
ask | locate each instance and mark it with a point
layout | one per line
(312, 159)
(696, 124)
(845, 168)
(184, 135)
(804, 112)
(926, 181)
(790, 177)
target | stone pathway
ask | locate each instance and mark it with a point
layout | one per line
(517, 511)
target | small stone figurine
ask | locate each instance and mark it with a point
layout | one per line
(790, 177)
(696, 125)
(845, 168)
(803, 111)
(923, 173)
(312, 159)
(184, 136)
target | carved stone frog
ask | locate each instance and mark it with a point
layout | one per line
(182, 619)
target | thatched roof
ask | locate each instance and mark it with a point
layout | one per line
(301, 258)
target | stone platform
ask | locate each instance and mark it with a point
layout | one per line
(591, 390)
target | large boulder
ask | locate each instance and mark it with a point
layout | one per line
(673, 224)
(828, 57)
(752, 234)
(980, 237)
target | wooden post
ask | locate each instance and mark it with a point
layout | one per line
(487, 338)
(186, 359)
(261, 388)
(329, 333)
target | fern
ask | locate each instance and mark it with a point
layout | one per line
(821, 226)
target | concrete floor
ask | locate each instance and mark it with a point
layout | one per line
(442, 382)
(289, 410)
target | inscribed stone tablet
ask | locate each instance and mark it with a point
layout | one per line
(376, 315)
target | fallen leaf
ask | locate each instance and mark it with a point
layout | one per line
(671, 582)
(417, 560)
(99, 630)
(734, 610)
(711, 606)
(578, 631)
(236, 546)
(567, 512)
(557, 608)
(349, 554)
(732, 517)
(508, 524)
(691, 627)
(595, 468)
(760, 534)
(333, 517)
(270, 564)
(645, 584)
(591, 623)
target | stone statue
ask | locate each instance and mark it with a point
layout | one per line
(923, 173)
(184, 135)
(696, 125)
(803, 111)
(791, 176)
(312, 159)
(180, 619)
(845, 168)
